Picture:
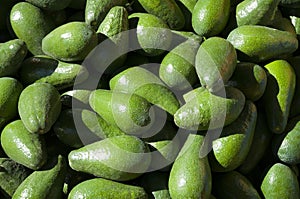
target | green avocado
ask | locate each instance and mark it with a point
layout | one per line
(280, 182)
(190, 176)
(215, 63)
(39, 107)
(45, 69)
(209, 17)
(99, 188)
(12, 54)
(75, 39)
(260, 12)
(50, 4)
(129, 112)
(119, 158)
(167, 10)
(249, 78)
(153, 34)
(279, 93)
(204, 110)
(44, 184)
(96, 10)
(31, 25)
(234, 185)
(22, 146)
(144, 83)
(232, 148)
(73, 96)
(256, 43)
(10, 90)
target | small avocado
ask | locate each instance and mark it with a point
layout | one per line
(30, 31)
(39, 107)
(119, 158)
(75, 39)
(22, 146)
(99, 188)
(280, 182)
(190, 176)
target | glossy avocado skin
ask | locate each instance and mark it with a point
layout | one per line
(215, 63)
(234, 185)
(253, 43)
(31, 25)
(39, 107)
(22, 146)
(201, 106)
(167, 10)
(190, 176)
(279, 93)
(76, 40)
(119, 158)
(44, 184)
(101, 188)
(12, 54)
(209, 18)
(280, 182)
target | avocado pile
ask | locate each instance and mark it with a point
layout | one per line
(138, 99)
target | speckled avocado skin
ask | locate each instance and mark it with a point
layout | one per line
(99, 188)
(75, 39)
(31, 25)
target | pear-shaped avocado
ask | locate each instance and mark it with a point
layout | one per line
(30, 31)
(204, 110)
(215, 63)
(99, 188)
(129, 112)
(75, 39)
(190, 176)
(96, 10)
(167, 10)
(12, 54)
(209, 17)
(22, 146)
(280, 182)
(44, 184)
(39, 107)
(279, 93)
(119, 158)
(142, 82)
(256, 43)
(232, 148)
(153, 34)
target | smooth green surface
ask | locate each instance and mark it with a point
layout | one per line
(12, 54)
(144, 83)
(205, 110)
(232, 148)
(258, 12)
(215, 63)
(119, 158)
(31, 25)
(167, 10)
(260, 43)
(23, 146)
(234, 185)
(210, 17)
(99, 188)
(45, 69)
(279, 94)
(129, 112)
(43, 184)
(251, 79)
(39, 107)
(75, 39)
(190, 176)
(280, 182)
